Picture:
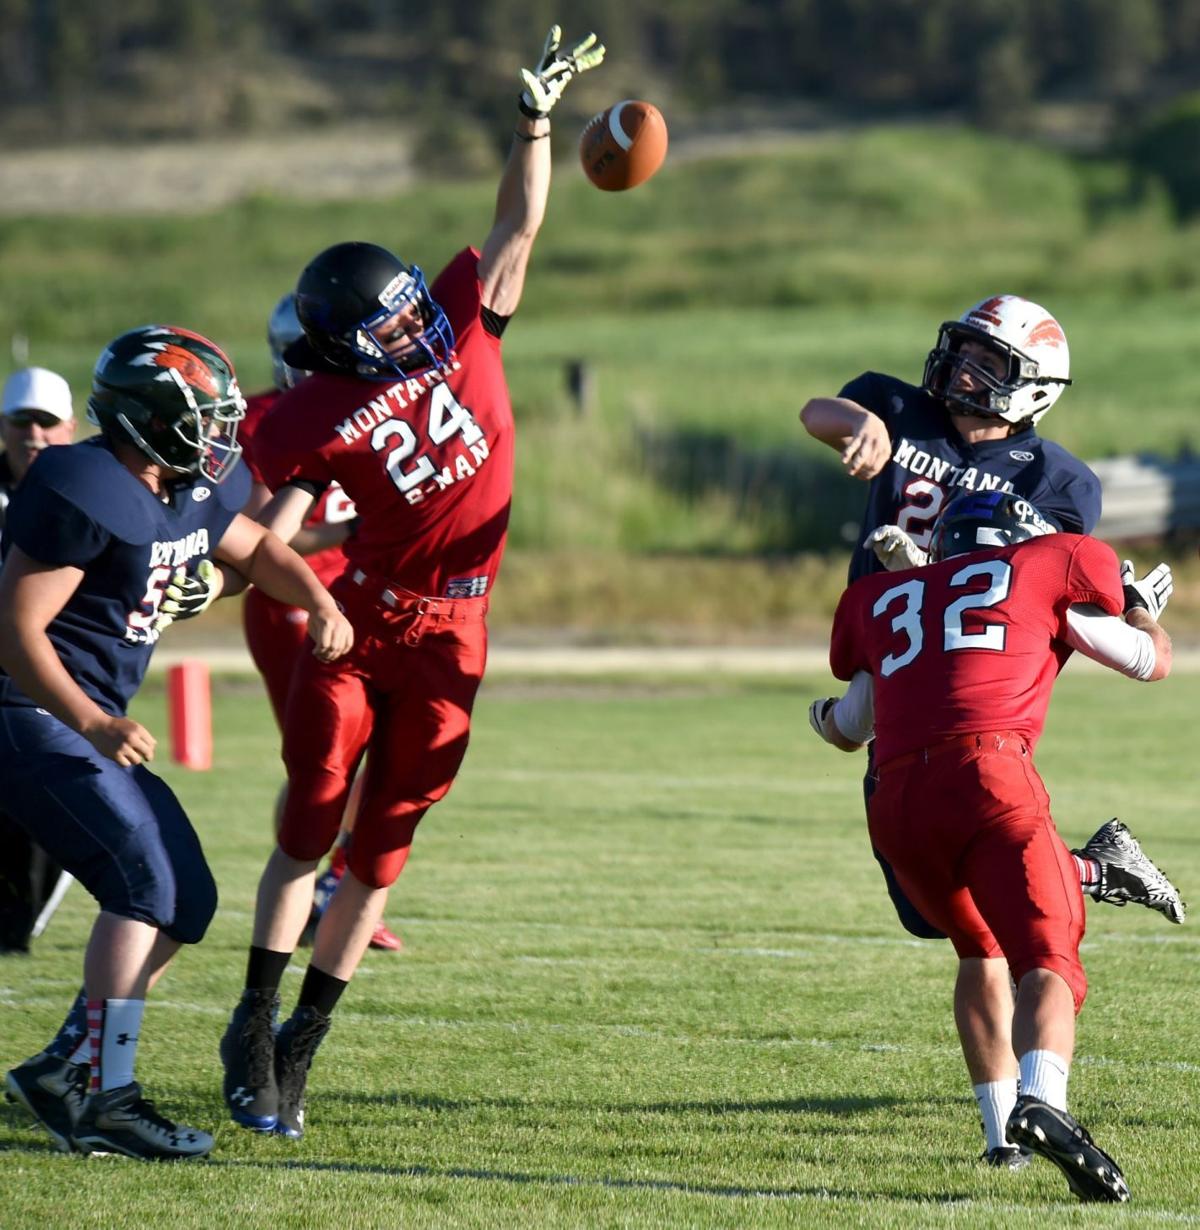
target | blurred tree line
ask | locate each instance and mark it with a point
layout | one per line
(87, 69)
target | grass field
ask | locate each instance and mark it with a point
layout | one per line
(710, 304)
(651, 978)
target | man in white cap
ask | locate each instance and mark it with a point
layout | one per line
(35, 412)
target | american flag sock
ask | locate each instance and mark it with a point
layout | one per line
(113, 1029)
(1089, 870)
(73, 1032)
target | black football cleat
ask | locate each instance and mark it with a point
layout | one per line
(297, 1043)
(1006, 1157)
(52, 1091)
(122, 1121)
(248, 1055)
(1128, 874)
(1091, 1174)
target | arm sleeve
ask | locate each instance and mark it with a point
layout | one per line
(278, 465)
(1108, 640)
(457, 291)
(866, 390)
(1074, 506)
(52, 530)
(845, 656)
(854, 713)
(1094, 576)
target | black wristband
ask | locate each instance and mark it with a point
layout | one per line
(527, 137)
(531, 112)
(1134, 600)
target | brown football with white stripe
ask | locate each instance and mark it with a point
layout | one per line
(623, 145)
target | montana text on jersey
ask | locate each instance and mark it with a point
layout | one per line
(931, 463)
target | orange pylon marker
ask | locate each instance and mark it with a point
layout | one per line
(189, 697)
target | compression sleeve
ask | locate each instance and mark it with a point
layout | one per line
(854, 713)
(1109, 640)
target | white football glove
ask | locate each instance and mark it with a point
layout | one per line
(1151, 593)
(895, 549)
(820, 716)
(187, 596)
(544, 87)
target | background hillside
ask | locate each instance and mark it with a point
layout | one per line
(799, 234)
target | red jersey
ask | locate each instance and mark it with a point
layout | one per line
(333, 507)
(973, 643)
(428, 460)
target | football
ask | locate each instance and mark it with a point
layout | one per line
(623, 145)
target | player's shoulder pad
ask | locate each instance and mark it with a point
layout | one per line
(885, 395)
(88, 476)
(234, 490)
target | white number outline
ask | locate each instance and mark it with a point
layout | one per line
(993, 638)
(916, 519)
(439, 428)
(908, 622)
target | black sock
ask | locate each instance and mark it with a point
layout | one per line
(264, 969)
(320, 991)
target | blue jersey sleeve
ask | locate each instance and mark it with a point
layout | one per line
(1070, 493)
(869, 391)
(51, 529)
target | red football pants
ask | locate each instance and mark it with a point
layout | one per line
(277, 636)
(404, 695)
(966, 827)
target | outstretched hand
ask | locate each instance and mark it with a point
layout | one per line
(544, 87)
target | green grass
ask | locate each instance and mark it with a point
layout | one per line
(711, 303)
(650, 978)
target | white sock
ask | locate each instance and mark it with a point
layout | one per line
(996, 1100)
(114, 1025)
(1044, 1076)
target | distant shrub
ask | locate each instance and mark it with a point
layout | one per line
(1169, 146)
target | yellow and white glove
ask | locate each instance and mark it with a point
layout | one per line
(544, 87)
(1151, 593)
(187, 596)
(895, 549)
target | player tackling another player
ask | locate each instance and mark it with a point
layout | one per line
(957, 660)
(407, 409)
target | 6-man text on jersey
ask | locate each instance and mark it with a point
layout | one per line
(414, 473)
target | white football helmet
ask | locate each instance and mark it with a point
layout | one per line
(1026, 336)
(283, 328)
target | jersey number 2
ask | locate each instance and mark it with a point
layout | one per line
(446, 416)
(908, 619)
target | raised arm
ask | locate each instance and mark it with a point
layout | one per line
(857, 433)
(525, 182)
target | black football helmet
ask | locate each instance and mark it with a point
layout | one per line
(975, 520)
(172, 394)
(342, 298)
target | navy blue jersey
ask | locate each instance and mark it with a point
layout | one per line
(930, 461)
(79, 507)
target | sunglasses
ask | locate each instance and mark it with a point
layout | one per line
(30, 418)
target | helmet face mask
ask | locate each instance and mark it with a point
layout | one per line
(348, 294)
(1025, 337)
(978, 520)
(174, 396)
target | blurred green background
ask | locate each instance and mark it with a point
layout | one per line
(844, 175)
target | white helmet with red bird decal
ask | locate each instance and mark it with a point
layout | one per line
(1026, 336)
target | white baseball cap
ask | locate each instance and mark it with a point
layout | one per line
(36, 388)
